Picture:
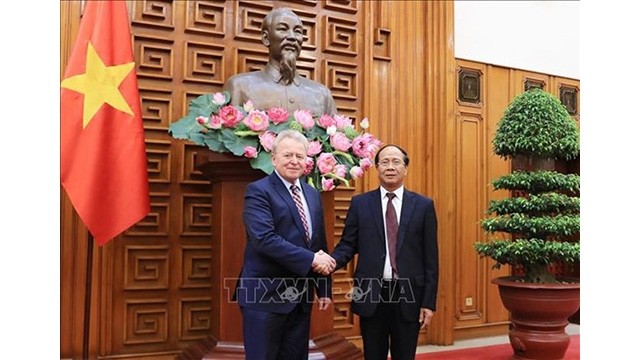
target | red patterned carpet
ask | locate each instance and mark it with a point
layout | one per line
(493, 352)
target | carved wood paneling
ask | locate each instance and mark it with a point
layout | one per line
(195, 266)
(154, 14)
(157, 108)
(196, 215)
(203, 63)
(381, 33)
(247, 20)
(340, 36)
(342, 79)
(157, 221)
(195, 318)
(146, 267)
(158, 160)
(343, 318)
(146, 321)
(206, 18)
(155, 56)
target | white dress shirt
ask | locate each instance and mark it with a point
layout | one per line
(397, 204)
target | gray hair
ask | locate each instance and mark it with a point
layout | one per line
(290, 134)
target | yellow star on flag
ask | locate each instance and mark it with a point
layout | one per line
(99, 84)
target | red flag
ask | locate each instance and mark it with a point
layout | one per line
(103, 165)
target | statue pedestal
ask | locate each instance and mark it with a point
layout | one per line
(229, 176)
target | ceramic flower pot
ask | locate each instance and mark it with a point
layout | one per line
(539, 316)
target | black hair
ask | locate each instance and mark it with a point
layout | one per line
(404, 153)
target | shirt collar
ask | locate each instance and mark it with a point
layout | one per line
(399, 192)
(274, 74)
(288, 184)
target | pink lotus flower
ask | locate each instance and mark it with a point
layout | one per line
(366, 164)
(278, 115)
(326, 163)
(326, 120)
(337, 152)
(365, 145)
(215, 122)
(230, 116)
(250, 152)
(340, 141)
(314, 148)
(341, 170)
(342, 121)
(267, 139)
(309, 164)
(218, 98)
(356, 172)
(327, 184)
(304, 118)
(256, 120)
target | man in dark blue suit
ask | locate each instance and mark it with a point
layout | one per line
(396, 278)
(285, 251)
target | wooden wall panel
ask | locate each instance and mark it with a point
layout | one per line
(439, 141)
(470, 201)
(498, 97)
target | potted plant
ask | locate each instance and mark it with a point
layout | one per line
(542, 219)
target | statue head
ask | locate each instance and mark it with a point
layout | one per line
(283, 34)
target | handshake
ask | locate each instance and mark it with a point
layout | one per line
(323, 263)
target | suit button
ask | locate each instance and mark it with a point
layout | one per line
(383, 256)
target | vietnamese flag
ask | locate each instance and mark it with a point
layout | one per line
(103, 164)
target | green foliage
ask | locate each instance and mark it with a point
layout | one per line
(544, 208)
(544, 203)
(262, 162)
(536, 123)
(538, 182)
(532, 253)
(538, 226)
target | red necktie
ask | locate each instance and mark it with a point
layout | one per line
(392, 232)
(298, 201)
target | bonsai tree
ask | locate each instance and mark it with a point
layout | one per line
(544, 209)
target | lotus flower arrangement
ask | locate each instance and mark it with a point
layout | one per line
(337, 152)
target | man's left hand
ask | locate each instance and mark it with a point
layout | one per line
(425, 317)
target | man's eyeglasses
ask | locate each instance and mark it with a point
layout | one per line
(394, 162)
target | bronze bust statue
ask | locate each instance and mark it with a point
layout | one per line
(278, 84)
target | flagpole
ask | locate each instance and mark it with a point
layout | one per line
(87, 298)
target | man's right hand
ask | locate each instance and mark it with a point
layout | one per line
(323, 263)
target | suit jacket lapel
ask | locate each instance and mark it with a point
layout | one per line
(375, 204)
(284, 193)
(408, 203)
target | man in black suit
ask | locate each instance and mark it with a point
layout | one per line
(396, 278)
